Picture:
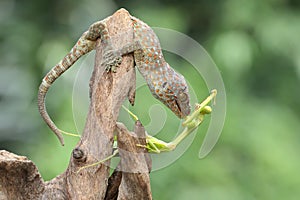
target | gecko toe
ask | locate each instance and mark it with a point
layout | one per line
(111, 60)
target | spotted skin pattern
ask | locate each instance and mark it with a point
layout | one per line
(164, 83)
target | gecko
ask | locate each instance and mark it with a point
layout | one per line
(164, 82)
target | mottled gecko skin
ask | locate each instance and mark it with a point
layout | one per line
(164, 83)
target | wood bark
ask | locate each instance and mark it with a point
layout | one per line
(19, 177)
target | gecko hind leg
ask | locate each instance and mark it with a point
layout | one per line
(97, 30)
(111, 58)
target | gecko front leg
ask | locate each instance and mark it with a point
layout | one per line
(85, 44)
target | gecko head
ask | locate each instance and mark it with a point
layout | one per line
(174, 94)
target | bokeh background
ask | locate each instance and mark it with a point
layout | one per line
(256, 46)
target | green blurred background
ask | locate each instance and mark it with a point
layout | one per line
(256, 46)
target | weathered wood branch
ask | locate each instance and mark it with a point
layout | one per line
(135, 164)
(19, 177)
(130, 179)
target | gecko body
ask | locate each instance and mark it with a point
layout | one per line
(165, 83)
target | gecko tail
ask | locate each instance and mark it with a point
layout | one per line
(82, 47)
(45, 116)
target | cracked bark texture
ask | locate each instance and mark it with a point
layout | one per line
(19, 177)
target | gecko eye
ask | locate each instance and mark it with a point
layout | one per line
(182, 96)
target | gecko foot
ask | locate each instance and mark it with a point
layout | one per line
(111, 59)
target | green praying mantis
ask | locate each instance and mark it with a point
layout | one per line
(155, 145)
(191, 122)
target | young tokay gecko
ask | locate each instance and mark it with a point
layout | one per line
(164, 83)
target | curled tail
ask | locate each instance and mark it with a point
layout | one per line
(82, 47)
